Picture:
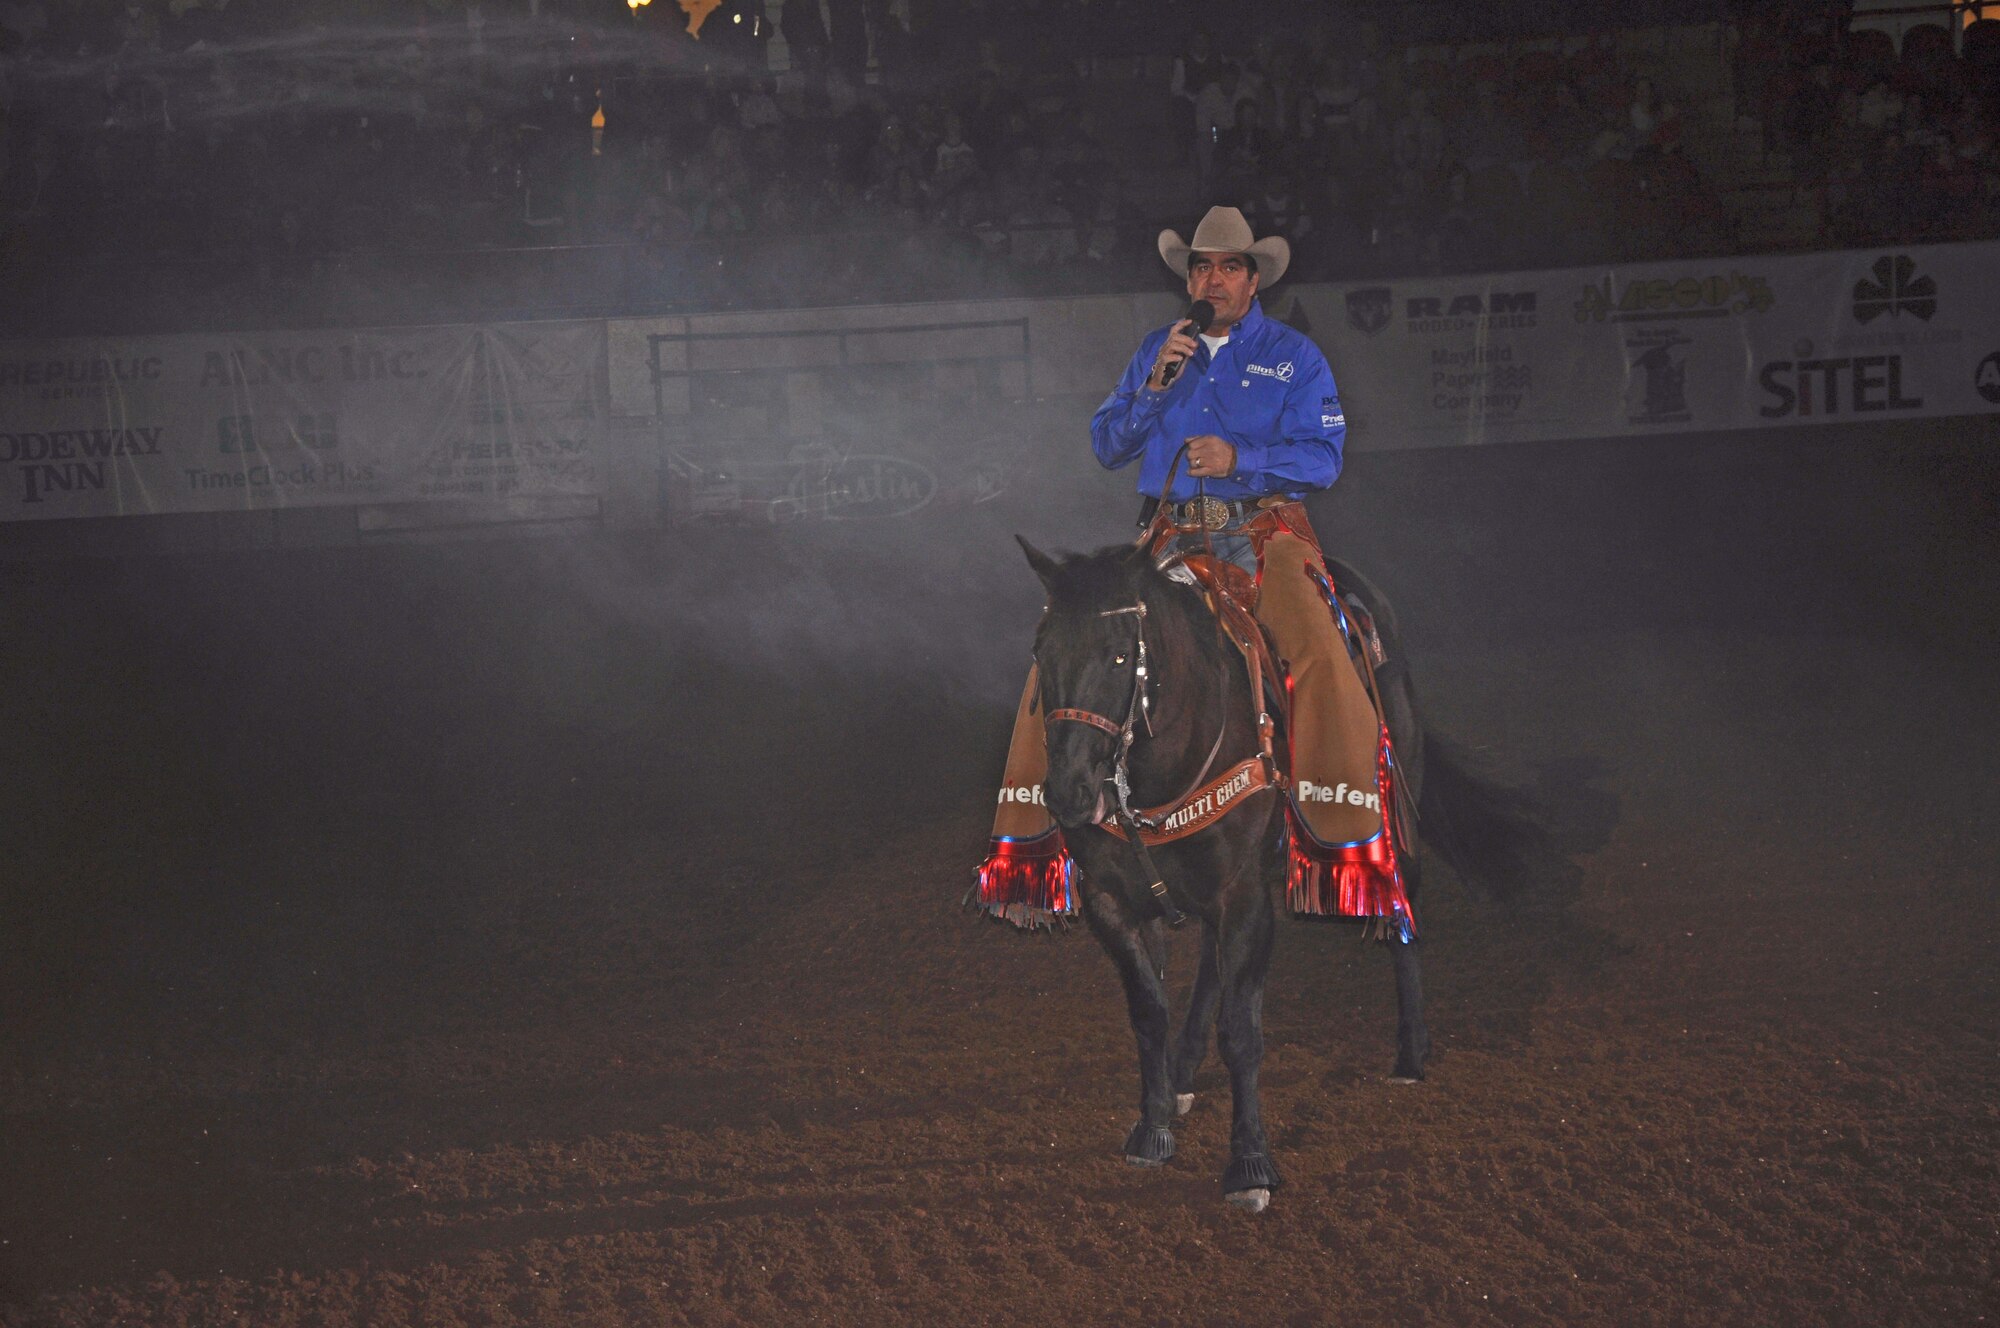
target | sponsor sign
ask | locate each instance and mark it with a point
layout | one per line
(1895, 306)
(1478, 378)
(1674, 347)
(1368, 310)
(1986, 379)
(1468, 311)
(861, 488)
(1657, 387)
(1717, 295)
(1831, 386)
(1308, 791)
(1893, 287)
(218, 423)
(1211, 805)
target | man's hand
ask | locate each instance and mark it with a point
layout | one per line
(1180, 345)
(1210, 457)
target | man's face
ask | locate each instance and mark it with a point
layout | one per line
(1227, 281)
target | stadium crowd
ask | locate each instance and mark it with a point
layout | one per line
(400, 157)
(1898, 139)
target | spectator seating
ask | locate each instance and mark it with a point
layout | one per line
(1927, 62)
(431, 181)
(1982, 46)
(1870, 58)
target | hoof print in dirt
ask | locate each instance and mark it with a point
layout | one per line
(1183, 1103)
(1149, 1145)
(1250, 1201)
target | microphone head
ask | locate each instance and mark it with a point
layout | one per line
(1203, 313)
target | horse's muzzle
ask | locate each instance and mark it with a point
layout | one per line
(1079, 799)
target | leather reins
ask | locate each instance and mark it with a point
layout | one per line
(1137, 709)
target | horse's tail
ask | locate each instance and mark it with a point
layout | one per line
(1498, 838)
(1495, 837)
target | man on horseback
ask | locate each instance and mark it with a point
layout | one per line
(1252, 658)
(1254, 404)
(1233, 418)
(1275, 431)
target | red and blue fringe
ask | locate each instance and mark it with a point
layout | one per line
(1029, 882)
(1032, 882)
(1358, 880)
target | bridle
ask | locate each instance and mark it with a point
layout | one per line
(1138, 710)
(1139, 707)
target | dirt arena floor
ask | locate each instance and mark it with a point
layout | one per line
(568, 930)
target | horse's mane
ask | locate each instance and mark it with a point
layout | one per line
(1115, 576)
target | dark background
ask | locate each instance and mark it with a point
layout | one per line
(569, 929)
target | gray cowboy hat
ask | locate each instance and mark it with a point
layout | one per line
(1223, 231)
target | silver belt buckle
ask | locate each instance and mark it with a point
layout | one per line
(1208, 513)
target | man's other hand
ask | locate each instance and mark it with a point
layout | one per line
(1210, 457)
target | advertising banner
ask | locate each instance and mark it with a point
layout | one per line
(1662, 348)
(879, 410)
(840, 423)
(139, 425)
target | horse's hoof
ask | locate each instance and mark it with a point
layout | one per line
(1406, 1078)
(1249, 1174)
(1250, 1201)
(1183, 1103)
(1149, 1145)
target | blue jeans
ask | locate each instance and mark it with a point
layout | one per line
(1232, 546)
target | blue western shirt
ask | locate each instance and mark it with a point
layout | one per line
(1268, 391)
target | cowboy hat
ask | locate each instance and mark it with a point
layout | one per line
(1224, 231)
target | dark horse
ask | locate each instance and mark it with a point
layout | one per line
(1099, 654)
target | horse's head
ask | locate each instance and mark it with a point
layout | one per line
(1087, 654)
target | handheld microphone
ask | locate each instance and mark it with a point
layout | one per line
(1201, 313)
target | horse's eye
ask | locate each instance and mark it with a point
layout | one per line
(1119, 660)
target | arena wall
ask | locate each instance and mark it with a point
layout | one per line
(864, 412)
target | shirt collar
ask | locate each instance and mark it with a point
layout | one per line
(1251, 324)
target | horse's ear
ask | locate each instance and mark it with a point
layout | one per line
(1045, 566)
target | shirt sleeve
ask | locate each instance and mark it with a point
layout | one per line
(1131, 414)
(1311, 429)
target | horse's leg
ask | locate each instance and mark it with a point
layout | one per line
(1192, 1047)
(1154, 934)
(1413, 1039)
(1244, 953)
(1151, 1141)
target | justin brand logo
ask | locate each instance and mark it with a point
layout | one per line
(862, 487)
